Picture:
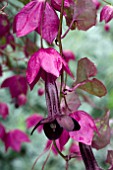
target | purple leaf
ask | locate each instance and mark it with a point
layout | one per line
(73, 103)
(77, 15)
(109, 159)
(94, 87)
(97, 4)
(82, 12)
(85, 69)
(103, 139)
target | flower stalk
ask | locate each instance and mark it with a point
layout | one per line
(88, 157)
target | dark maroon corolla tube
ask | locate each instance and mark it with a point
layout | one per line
(88, 157)
(55, 122)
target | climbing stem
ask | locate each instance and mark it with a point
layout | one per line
(60, 153)
(107, 2)
(60, 43)
(60, 27)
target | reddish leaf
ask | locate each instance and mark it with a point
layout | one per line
(77, 15)
(94, 87)
(109, 159)
(84, 9)
(97, 4)
(85, 69)
(103, 139)
(73, 103)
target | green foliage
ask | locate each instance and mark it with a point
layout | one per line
(96, 44)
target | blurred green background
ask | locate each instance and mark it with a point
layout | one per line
(97, 45)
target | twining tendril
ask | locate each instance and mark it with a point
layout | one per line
(1, 10)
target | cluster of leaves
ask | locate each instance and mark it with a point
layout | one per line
(44, 61)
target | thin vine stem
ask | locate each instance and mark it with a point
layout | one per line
(4, 7)
(46, 158)
(60, 44)
(63, 156)
(107, 2)
(63, 36)
(41, 39)
(60, 27)
(67, 165)
(40, 157)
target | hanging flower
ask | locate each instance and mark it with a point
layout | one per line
(14, 139)
(18, 89)
(4, 110)
(68, 55)
(37, 16)
(45, 61)
(54, 124)
(106, 13)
